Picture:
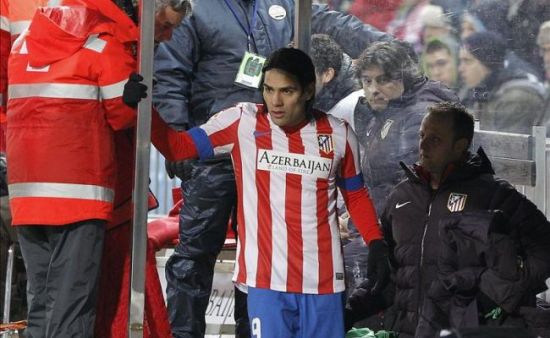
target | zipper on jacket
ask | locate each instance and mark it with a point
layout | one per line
(421, 263)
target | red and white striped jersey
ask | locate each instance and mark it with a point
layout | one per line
(286, 183)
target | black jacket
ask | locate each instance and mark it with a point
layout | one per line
(391, 136)
(414, 212)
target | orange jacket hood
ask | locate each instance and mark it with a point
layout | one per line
(59, 32)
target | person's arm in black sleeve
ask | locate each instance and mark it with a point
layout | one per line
(173, 71)
(363, 302)
(534, 236)
(527, 232)
(348, 31)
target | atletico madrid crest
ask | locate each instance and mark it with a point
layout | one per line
(386, 128)
(325, 143)
(456, 202)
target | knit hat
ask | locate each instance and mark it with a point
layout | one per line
(433, 16)
(544, 34)
(488, 47)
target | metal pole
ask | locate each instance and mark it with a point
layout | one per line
(7, 290)
(143, 137)
(539, 155)
(302, 24)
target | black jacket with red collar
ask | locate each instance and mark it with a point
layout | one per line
(412, 218)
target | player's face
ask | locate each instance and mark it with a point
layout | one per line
(285, 98)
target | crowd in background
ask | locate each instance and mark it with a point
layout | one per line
(437, 29)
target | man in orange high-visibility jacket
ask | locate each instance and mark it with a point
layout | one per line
(67, 74)
(15, 16)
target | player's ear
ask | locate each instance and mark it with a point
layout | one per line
(310, 91)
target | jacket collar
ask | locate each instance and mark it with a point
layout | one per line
(471, 166)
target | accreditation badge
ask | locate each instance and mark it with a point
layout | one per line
(250, 70)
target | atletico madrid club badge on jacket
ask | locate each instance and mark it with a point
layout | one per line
(456, 202)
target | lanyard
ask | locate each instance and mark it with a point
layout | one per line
(250, 25)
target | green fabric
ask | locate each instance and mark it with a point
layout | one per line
(385, 334)
(494, 313)
(360, 333)
(368, 333)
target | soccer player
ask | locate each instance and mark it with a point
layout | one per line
(288, 161)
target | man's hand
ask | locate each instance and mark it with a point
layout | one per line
(134, 90)
(176, 169)
(378, 268)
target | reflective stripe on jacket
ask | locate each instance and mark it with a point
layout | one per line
(67, 74)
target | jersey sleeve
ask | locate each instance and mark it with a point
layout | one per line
(215, 137)
(354, 192)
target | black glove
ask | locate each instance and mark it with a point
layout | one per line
(176, 169)
(378, 268)
(134, 90)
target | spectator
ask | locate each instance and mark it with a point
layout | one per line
(440, 61)
(486, 15)
(524, 19)
(407, 25)
(453, 10)
(377, 13)
(435, 23)
(491, 15)
(504, 99)
(275, 259)
(196, 73)
(387, 123)
(57, 126)
(450, 184)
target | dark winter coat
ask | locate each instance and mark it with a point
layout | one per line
(196, 69)
(509, 100)
(411, 222)
(479, 270)
(391, 136)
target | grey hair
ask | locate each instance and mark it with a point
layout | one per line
(180, 6)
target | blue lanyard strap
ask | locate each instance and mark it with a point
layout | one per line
(248, 28)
